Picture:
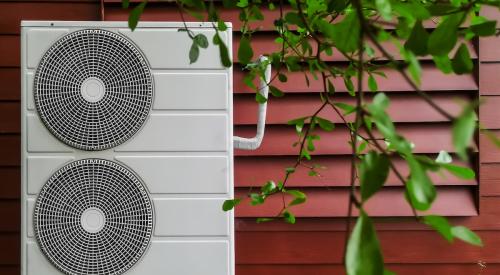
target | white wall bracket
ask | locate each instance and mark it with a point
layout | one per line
(254, 143)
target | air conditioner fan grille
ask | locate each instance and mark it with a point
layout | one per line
(93, 216)
(93, 89)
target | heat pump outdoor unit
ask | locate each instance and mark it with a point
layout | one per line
(127, 150)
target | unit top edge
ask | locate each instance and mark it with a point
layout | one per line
(117, 24)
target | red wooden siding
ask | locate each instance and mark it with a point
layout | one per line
(313, 245)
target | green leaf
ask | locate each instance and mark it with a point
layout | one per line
(372, 83)
(298, 122)
(363, 255)
(223, 52)
(413, 65)
(349, 85)
(384, 8)
(289, 217)
(221, 25)
(443, 157)
(260, 98)
(374, 169)
(381, 118)
(298, 197)
(487, 28)
(331, 88)
(290, 170)
(125, 4)
(257, 199)
(275, 91)
(443, 63)
(269, 187)
(293, 18)
(348, 109)
(380, 101)
(194, 52)
(135, 14)
(459, 171)
(462, 63)
(325, 124)
(201, 40)
(421, 191)
(282, 77)
(417, 42)
(345, 35)
(413, 10)
(261, 220)
(403, 28)
(466, 235)
(444, 37)
(230, 204)
(242, 3)
(463, 131)
(441, 225)
(245, 52)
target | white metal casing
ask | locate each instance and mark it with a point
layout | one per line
(183, 153)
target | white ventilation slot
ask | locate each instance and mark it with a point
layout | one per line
(93, 216)
(93, 89)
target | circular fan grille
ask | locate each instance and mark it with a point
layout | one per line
(93, 216)
(93, 89)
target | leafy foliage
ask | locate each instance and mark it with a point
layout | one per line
(308, 31)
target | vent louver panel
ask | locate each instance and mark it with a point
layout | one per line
(93, 89)
(93, 216)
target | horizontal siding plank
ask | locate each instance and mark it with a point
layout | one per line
(10, 51)
(264, 43)
(489, 82)
(488, 49)
(10, 117)
(279, 139)
(490, 179)
(490, 153)
(11, 182)
(255, 171)
(432, 80)
(13, 12)
(331, 269)
(10, 210)
(452, 201)
(326, 248)
(11, 249)
(10, 150)
(10, 88)
(489, 112)
(10, 270)
(487, 220)
(404, 107)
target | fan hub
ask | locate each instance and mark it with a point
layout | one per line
(93, 220)
(93, 89)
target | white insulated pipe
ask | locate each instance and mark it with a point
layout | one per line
(254, 143)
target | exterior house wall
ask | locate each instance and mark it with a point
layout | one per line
(314, 245)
